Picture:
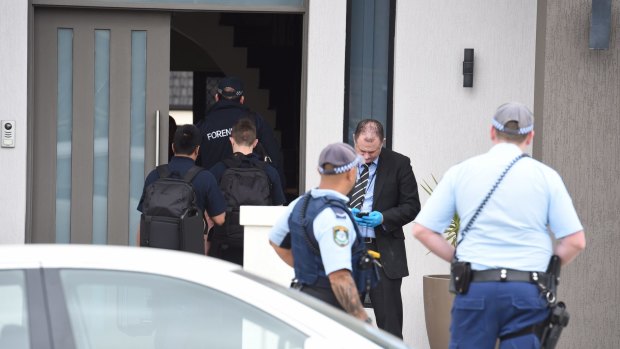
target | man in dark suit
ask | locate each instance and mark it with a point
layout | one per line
(384, 199)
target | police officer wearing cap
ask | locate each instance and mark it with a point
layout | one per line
(318, 238)
(507, 203)
(216, 126)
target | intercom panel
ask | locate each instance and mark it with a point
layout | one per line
(8, 133)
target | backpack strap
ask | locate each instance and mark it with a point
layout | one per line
(163, 171)
(193, 172)
(260, 164)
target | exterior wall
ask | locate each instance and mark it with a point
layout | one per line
(13, 100)
(437, 122)
(326, 42)
(582, 142)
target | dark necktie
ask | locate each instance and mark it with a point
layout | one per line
(357, 198)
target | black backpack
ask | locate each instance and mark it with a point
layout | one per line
(244, 182)
(170, 217)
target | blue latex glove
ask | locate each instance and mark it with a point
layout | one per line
(373, 219)
(357, 219)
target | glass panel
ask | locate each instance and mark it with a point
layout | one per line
(297, 4)
(64, 130)
(101, 139)
(138, 119)
(116, 309)
(13, 311)
(369, 60)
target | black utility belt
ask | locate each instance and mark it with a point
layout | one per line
(461, 276)
(321, 282)
(503, 275)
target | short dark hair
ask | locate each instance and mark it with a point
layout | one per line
(510, 137)
(186, 139)
(244, 132)
(369, 126)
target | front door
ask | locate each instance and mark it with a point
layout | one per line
(100, 83)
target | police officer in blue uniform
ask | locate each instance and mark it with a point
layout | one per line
(216, 127)
(318, 238)
(507, 203)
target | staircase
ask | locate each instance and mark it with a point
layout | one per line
(204, 30)
(265, 51)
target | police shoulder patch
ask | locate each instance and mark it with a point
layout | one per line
(341, 235)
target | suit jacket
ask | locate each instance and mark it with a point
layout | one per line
(396, 197)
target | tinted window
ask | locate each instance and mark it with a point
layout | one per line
(13, 311)
(113, 309)
(369, 64)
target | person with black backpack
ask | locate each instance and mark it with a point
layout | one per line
(178, 196)
(244, 179)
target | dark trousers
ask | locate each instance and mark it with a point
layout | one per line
(223, 250)
(493, 309)
(387, 302)
(322, 293)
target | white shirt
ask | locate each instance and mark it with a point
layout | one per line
(511, 230)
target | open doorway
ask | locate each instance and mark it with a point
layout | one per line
(263, 49)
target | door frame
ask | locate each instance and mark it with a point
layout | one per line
(102, 4)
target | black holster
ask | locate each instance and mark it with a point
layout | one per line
(553, 326)
(460, 277)
(296, 285)
(553, 273)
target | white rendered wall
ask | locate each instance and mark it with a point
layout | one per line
(13, 103)
(258, 255)
(437, 122)
(325, 81)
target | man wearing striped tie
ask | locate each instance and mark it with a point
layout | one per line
(383, 200)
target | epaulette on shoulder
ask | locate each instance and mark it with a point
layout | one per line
(339, 212)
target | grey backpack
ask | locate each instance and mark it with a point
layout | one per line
(170, 217)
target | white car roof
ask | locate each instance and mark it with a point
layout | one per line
(191, 267)
(105, 257)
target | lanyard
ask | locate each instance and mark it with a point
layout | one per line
(486, 199)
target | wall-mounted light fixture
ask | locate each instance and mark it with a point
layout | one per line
(468, 68)
(600, 25)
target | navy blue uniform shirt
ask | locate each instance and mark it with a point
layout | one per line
(216, 129)
(208, 195)
(277, 194)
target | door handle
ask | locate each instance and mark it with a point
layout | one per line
(157, 138)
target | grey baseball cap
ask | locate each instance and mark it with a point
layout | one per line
(514, 111)
(340, 155)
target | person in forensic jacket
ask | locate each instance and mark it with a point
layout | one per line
(318, 237)
(216, 127)
(507, 203)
